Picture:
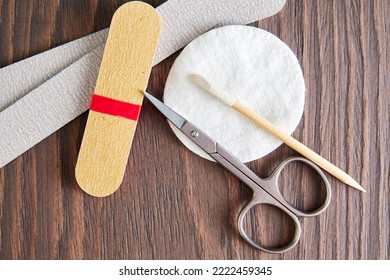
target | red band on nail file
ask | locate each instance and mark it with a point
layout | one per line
(114, 107)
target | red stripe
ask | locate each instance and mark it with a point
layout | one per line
(114, 107)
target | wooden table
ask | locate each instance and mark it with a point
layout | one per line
(176, 205)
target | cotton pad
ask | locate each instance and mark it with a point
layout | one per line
(253, 65)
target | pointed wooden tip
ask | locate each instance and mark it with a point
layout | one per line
(351, 182)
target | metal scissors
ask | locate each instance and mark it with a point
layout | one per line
(265, 191)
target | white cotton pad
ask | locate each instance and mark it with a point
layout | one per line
(254, 66)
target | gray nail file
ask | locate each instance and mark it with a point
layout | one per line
(32, 115)
(19, 78)
(32, 118)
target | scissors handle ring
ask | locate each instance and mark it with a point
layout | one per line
(275, 178)
(285, 248)
(276, 199)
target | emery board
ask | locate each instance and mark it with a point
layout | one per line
(34, 110)
(116, 102)
(34, 71)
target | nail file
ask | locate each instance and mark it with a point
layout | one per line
(182, 19)
(30, 73)
(27, 122)
(32, 118)
(116, 103)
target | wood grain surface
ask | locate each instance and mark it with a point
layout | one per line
(176, 205)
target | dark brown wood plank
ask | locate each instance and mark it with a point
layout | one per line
(175, 205)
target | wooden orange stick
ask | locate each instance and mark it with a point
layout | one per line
(234, 103)
(116, 103)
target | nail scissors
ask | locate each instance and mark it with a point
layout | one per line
(265, 191)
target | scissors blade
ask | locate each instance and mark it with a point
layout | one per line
(216, 151)
(171, 115)
(189, 129)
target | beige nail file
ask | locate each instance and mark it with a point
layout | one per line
(116, 102)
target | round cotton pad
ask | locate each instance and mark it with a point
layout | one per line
(254, 66)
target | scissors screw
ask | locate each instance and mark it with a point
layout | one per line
(194, 133)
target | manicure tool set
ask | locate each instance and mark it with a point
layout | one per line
(140, 37)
